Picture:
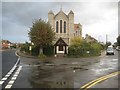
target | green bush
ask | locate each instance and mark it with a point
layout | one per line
(82, 49)
(25, 48)
(96, 48)
(48, 50)
(35, 50)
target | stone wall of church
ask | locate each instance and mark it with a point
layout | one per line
(69, 19)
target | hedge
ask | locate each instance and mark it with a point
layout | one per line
(82, 49)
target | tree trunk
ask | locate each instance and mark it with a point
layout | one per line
(40, 50)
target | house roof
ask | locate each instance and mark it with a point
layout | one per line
(5, 45)
(76, 27)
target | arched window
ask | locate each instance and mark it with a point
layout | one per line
(57, 27)
(64, 27)
(60, 26)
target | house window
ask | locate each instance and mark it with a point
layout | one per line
(60, 26)
(64, 27)
(57, 27)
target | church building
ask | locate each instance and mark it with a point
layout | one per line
(65, 29)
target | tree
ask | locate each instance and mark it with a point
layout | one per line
(118, 40)
(108, 44)
(41, 34)
(76, 41)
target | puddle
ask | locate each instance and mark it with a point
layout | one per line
(51, 77)
(78, 68)
(52, 84)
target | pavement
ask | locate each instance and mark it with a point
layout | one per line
(66, 72)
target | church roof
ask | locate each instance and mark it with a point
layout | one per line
(61, 12)
(71, 12)
(51, 12)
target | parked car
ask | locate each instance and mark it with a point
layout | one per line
(110, 50)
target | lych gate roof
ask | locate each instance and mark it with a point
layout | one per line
(60, 42)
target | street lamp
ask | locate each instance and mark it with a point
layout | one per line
(30, 48)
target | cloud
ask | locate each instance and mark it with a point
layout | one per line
(97, 18)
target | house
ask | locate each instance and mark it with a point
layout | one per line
(6, 44)
(90, 39)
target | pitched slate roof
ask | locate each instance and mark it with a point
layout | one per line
(61, 12)
(60, 42)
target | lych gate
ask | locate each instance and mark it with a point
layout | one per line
(60, 46)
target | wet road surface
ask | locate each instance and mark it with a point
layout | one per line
(66, 72)
(8, 60)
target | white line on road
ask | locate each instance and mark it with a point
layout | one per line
(3, 79)
(8, 86)
(115, 59)
(1, 82)
(11, 82)
(11, 71)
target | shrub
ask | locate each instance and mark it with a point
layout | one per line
(82, 49)
(25, 48)
(48, 50)
(96, 48)
(35, 50)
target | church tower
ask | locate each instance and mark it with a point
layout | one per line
(51, 18)
(71, 24)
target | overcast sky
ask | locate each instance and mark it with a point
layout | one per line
(96, 18)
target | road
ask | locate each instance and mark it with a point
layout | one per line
(66, 72)
(8, 60)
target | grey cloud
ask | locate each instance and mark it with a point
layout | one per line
(18, 16)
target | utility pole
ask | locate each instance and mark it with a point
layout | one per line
(106, 40)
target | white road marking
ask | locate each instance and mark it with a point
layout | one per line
(11, 71)
(1, 82)
(3, 79)
(114, 59)
(15, 75)
(13, 78)
(7, 75)
(11, 82)
(8, 86)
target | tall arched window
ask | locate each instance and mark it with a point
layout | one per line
(60, 26)
(57, 27)
(64, 27)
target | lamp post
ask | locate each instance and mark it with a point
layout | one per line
(30, 48)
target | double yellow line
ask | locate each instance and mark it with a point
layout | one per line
(94, 82)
